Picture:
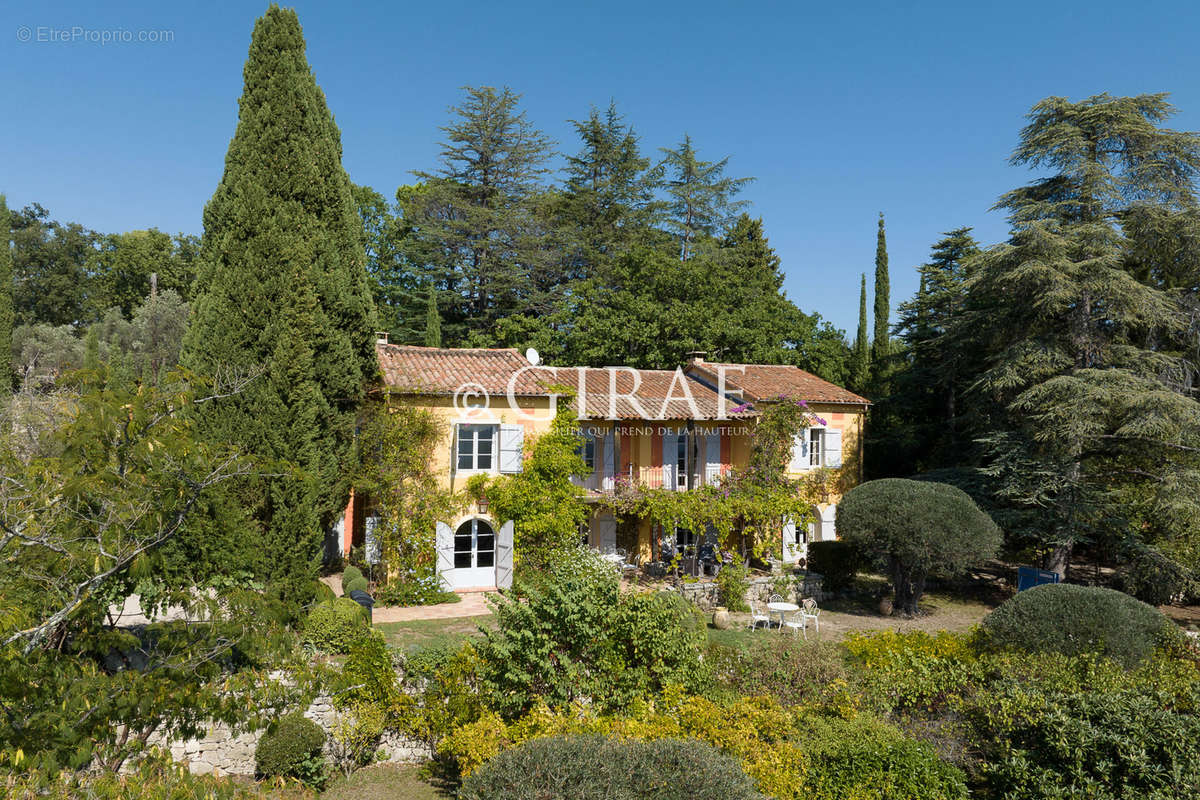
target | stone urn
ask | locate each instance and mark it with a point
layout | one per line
(885, 605)
(721, 618)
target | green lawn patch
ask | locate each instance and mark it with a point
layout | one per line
(422, 633)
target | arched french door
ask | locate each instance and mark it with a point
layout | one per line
(474, 555)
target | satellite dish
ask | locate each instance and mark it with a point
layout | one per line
(532, 357)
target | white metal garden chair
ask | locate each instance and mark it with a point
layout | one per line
(809, 610)
(797, 622)
(758, 614)
(775, 599)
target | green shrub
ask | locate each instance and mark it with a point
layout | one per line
(1069, 619)
(599, 768)
(836, 561)
(335, 626)
(572, 636)
(292, 748)
(777, 667)
(733, 581)
(351, 572)
(358, 584)
(414, 592)
(1130, 743)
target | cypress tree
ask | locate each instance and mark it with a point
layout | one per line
(860, 354)
(282, 288)
(880, 346)
(6, 300)
(433, 321)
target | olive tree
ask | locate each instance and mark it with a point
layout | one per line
(916, 528)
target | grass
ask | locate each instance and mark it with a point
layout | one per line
(385, 782)
(419, 634)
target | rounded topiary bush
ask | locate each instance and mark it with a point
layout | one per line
(587, 767)
(350, 573)
(335, 626)
(292, 748)
(359, 584)
(1069, 619)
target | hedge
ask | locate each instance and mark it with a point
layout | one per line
(836, 562)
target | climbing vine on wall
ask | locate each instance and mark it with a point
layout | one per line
(749, 505)
(545, 506)
(395, 473)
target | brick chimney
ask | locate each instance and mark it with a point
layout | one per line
(696, 357)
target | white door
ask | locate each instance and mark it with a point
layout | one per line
(604, 533)
(474, 556)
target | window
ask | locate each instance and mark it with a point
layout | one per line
(681, 460)
(474, 545)
(476, 444)
(815, 437)
(587, 451)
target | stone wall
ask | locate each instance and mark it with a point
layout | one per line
(221, 751)
(704, 593)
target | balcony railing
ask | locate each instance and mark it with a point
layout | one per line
(650, 478)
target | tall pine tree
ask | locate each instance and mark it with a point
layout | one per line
(7, 373)
(282, 288)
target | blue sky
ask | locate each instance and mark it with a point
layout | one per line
(907, 108)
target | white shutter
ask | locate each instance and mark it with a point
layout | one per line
(610, 459)
(670, 457)
(712, 457)
(445, 553)
(512, 447)
(799, 460)
(504, 556)
(833, 447)
(829, 523)
(789, 551)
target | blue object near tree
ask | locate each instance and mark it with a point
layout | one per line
(1029, 577)
(365, 600)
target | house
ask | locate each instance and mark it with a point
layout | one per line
(675, 430)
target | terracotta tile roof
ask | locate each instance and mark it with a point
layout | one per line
(437, 370)
(769, 381)
(660, 394)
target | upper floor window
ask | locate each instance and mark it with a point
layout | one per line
(587, 451)
(476, 447)
(815, 438)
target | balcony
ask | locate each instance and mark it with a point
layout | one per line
(650, 478)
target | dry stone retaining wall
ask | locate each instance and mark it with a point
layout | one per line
(221, 751)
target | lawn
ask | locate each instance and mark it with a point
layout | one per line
(385, 782)
(418, 634)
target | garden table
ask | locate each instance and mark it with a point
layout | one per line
(781, 609)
